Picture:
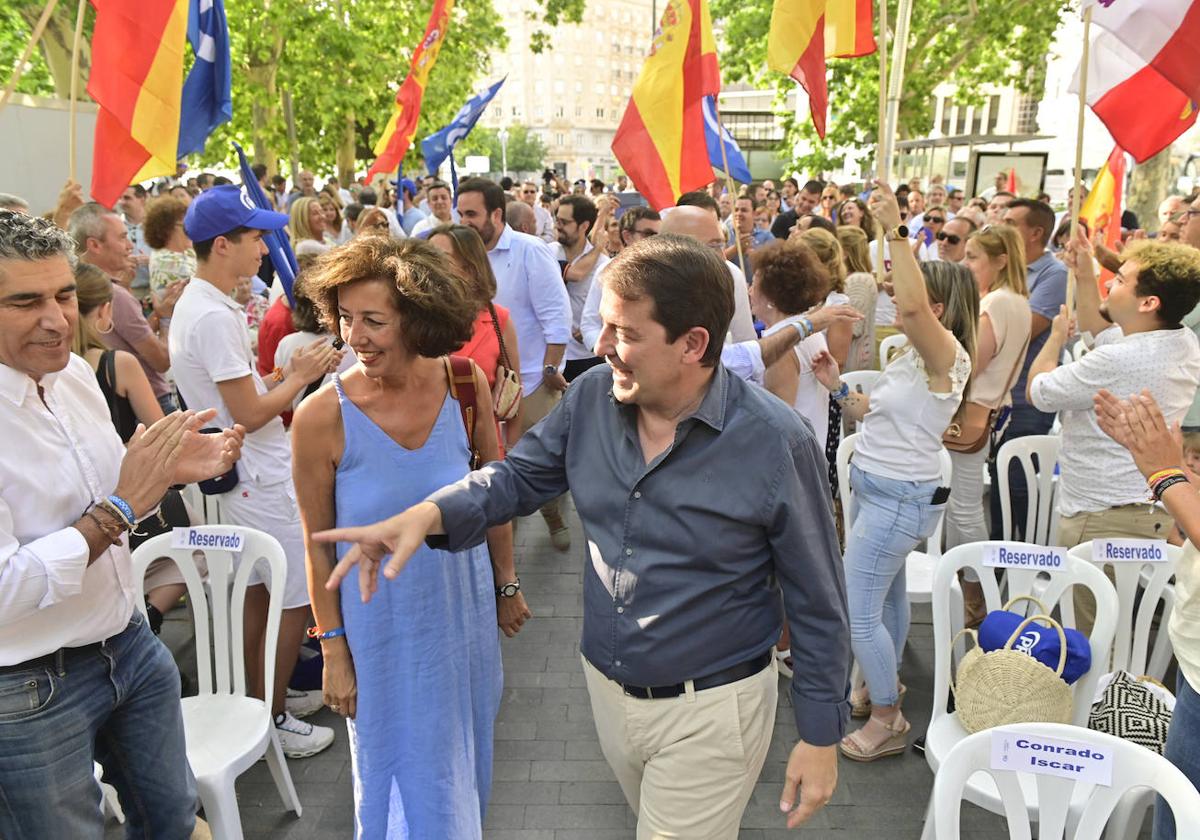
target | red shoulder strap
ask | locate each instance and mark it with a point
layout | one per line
(461, 372)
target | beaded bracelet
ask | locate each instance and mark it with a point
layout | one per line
(124, 508)
(1164, 484)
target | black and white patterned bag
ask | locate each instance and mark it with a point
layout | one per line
(1128, 708)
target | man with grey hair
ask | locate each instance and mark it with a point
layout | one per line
(101, 239)
(82, 678)
(15, 203)
(520, 217)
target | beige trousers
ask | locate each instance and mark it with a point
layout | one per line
(1133, 521)
(687, 764)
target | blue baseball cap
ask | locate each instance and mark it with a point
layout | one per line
(225, 208)
(407, 185)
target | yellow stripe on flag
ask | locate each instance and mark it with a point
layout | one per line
(793, 25)
(658, 91)
(841, 22)
(155, 123)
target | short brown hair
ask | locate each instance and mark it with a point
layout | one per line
(829, 251)
(436, 312)
(791, 275)
(687, 283)
(1169, 271)
(162, 215)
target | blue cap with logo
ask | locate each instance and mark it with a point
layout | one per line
(406, 185)
(225, 208)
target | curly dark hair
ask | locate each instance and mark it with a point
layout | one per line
(437, 312)
(162, 214)
(791, 275)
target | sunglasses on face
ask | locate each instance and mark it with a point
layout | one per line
(934, 220)
(953, 239)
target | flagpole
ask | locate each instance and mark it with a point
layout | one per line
(896, 80)
(1083, 79)
(737, 239)
(38, 29)
(882, 163)
(74, 88)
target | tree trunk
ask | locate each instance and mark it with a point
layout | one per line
(56, 45)
(262, 72)
(1149, 185)
(346, 164)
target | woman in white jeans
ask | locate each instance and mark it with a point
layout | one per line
(996, 258)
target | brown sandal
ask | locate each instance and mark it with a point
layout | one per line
(853, 747)
(860, 703)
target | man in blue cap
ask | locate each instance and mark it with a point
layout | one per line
(214, 366)
(408, 212)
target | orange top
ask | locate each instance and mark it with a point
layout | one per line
(483, 348)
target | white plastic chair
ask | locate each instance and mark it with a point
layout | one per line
(889, 347)
(1041, 519)
(1132, 650)
(227, 731)
(859, 382)
(1051, 588)
(1069, 809)
(110, 804)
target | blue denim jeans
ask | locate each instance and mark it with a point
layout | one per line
(1025, 420)
(892, 518)
(119, 705)
(1183, 750)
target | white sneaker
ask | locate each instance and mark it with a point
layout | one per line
(301, 704)
(299, 739)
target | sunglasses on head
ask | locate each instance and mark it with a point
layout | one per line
(952, 238)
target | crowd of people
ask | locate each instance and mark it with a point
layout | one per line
(448, 360)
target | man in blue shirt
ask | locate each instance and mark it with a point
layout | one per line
(751, 236)
(701, 497)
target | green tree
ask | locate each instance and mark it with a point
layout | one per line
(49, 70)
(971, 43)
(526, 151)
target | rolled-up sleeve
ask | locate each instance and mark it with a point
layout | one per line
(533, 473)
(808, 563)
(548, 294)
(744, 360)
(41, 572)
(1071, 387)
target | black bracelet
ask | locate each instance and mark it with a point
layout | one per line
(1169, 481)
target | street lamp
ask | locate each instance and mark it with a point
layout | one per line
(502, 136)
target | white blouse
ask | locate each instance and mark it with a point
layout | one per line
(901, 435)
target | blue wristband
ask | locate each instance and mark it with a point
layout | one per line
(125, 509)
(841, 393)
(328, 634)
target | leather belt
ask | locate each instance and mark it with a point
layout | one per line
(54, 660)
(731, 674)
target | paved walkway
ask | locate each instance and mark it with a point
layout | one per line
(551, 781)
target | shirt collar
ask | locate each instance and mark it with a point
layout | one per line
(16, 386)
(206, 289)
(505, 241)
(711, 410)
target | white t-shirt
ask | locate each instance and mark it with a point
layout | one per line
(577, 291)
(289, 344)
(1097, 472)
(812, 398)
(209, 343)
(901, 435)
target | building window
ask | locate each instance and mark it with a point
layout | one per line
(497, 112)
(976, 120)
(600, 113)
(579, 110)
(993, 115)
(558, 111)
(560, 87)
(540, 111)
(947, 109)
(578, 140)
(1027, 108)
(559, 139)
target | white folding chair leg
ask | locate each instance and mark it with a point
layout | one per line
(928, 832)
(1130, 815)
(277, 764)
(219, 798)
(957, 620)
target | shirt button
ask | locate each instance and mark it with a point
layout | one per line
(620, 610)
(629, 552)
(637, 494)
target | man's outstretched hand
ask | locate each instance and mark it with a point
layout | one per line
(399, 536)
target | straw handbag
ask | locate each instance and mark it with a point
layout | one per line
(1008, 686)
(506, 393)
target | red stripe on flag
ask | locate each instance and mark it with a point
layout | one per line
(810, 73)
(635, 150)
(124, 45)
(118, 158)
(409, 98)
(1177, 60)
(1145, 113)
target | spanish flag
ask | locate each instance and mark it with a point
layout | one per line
(849, 28)
(661, 142)
(397, 137)
(137, 80)
(1102, 207)
(796, 46)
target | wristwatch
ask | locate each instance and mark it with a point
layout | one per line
(897, 233)
(508, 590)
(549, 370)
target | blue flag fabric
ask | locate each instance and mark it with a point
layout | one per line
(714, 133)
(207, 99)
(437, 147)
(278, 246)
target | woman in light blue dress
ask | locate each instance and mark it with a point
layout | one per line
(416, 670)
